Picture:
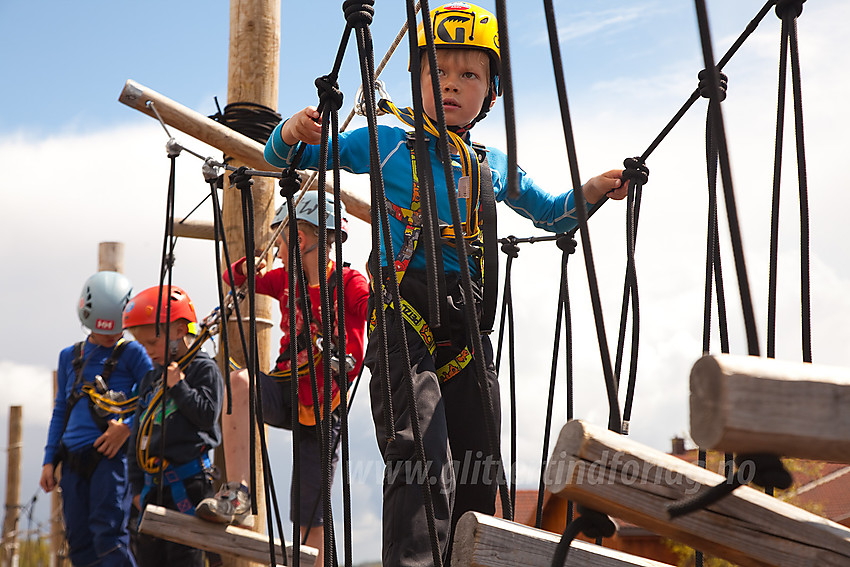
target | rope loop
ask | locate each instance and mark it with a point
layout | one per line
(290, 182)
(763, 469)
(251, 119)
(635, 170)
(591, 523)
(704, 89)
(240, 179)
(509, 247)
(329, 93)
(786, 7)
(358, 12)
(567, 243)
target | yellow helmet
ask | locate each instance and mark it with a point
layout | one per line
(464, 25)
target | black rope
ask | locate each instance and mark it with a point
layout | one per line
(506, 84)
(751, 27)
(614, 418)
(510, 248)
(788, 11)
(218, 236)
(638, 175)
(166, 271)
(431, 237)
(567, 244)
(591, 523)
(726, 176)
(254, 120)
(766, 470)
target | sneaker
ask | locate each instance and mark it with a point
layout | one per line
(231, 505)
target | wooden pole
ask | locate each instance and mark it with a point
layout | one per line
(747, 404)
(57, 527)
(13, 488)
(252, 76)
(110, 257)
(232, 143)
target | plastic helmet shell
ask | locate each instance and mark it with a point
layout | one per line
(465, 25)
(141, 310)
(102, 301)
(307, 209)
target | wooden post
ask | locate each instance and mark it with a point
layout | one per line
(485, 541)
(57, 526)
(746, 404)
(13, 488)
(620, 477)
(252, 76)
(110, 257)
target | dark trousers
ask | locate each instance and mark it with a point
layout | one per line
(96, 509)
(460, 471)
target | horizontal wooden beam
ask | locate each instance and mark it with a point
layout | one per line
(622, 478)
(485, 541)
(229, 141)
(746, 405)
(225, 540)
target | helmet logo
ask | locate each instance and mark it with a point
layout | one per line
(104, 325)
(454, 27)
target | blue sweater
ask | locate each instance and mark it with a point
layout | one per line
(555, 213)
(82, 431)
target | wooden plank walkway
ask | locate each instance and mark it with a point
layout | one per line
(225, 540)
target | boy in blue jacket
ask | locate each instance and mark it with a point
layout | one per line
(449, 402)
(92, 417)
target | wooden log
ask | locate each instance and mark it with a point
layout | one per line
(620, 477)
(485, 541)
(10, 537)
(231, 142)
(746, 404)
(225, 540)
(252, 77)
(110, 256)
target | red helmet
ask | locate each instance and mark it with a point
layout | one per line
(141, 310)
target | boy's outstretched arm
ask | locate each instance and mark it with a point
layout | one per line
(304, 126)
(607, 184)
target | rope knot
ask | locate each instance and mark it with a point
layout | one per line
(635, 171)
(705, 89)
(329, 93)
(358, 12)
(240, 179)
(289, 183)
(567, 243)
(509, 247)
(768, 470)
(786, 7)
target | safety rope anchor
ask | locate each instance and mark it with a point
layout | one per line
(360, 103)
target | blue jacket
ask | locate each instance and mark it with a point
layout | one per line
(82, 431)
(555, 213)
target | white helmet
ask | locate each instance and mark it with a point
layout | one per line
(307, 209)
(102, 302)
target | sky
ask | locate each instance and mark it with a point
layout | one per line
(81, 168)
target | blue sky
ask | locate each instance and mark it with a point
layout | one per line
(81, 168)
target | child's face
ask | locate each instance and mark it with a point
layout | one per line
(464, 80)
(156, 345)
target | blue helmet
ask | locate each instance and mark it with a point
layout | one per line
(102, 302)
(308, 210)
